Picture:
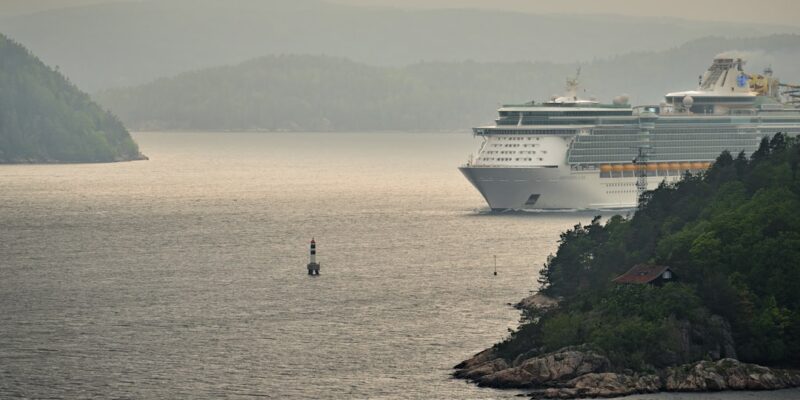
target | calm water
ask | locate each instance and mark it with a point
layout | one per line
(184, 276)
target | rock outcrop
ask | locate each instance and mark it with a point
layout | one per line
(485, 369)
(476, 360)
(607, 384)
(578, 372)
(558, 366)
(727, 374)
(537, 301)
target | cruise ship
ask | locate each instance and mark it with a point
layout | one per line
(573, 153)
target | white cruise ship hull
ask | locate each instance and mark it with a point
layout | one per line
(547, 188)
(575, 154)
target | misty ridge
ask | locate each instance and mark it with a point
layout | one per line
(133, 42)
(310, 65)
(323, 93)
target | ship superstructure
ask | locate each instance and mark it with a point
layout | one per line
(572, 153)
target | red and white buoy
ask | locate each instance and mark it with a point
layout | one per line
(313, 265)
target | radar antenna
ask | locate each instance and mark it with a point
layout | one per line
(572, 84)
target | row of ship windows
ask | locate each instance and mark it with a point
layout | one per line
(671, 137)
(563, 113)
(629, 134)
(601, 121)
(532, 132)
(661, 152)
(507, 159)
(666, 143)
(511, 152)
(551, 122)
(664, 138)
(540, 121)
(515, 138)
(705, 130)
(685, 134)
(656, 150)
(667, 130)
(627, 158)
(634, 122)
(632, 131)
(515, 145)
(631, 174)
(666, 146)
(791, 118)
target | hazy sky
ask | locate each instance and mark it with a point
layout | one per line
(786, 12)
(762, 11)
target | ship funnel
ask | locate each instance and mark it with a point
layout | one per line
(621, 100)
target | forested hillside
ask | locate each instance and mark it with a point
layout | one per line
(45, 118)
(322, 93)
(732, 238)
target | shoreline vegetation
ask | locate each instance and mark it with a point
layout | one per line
(46, 119)
(726, 318)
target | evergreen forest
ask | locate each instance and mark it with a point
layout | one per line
(732, 238)
(45, 118)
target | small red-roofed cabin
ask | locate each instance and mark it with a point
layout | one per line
(643, 274)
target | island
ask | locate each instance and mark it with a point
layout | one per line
(699, 290)
(46, 119)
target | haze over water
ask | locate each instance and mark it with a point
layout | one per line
(184, 276)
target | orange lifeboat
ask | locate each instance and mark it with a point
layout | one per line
(652, 167)
(674, 166)
(706, 165)
(663, 166)
(686, 166)
(629, 167)
(698, 165)
(605, 168)
(617, 168)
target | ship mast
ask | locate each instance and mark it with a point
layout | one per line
(572, 85)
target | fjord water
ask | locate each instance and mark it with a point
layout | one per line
(184, 276)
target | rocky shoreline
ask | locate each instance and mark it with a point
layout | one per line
(581, 372)
(572, 373)
(33, 161)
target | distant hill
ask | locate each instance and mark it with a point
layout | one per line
(138, 41)
(294, 92)
(45, 118)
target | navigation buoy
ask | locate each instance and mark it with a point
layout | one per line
(495, 265)
(313, 265)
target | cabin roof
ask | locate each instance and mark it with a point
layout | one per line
(642, 273)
